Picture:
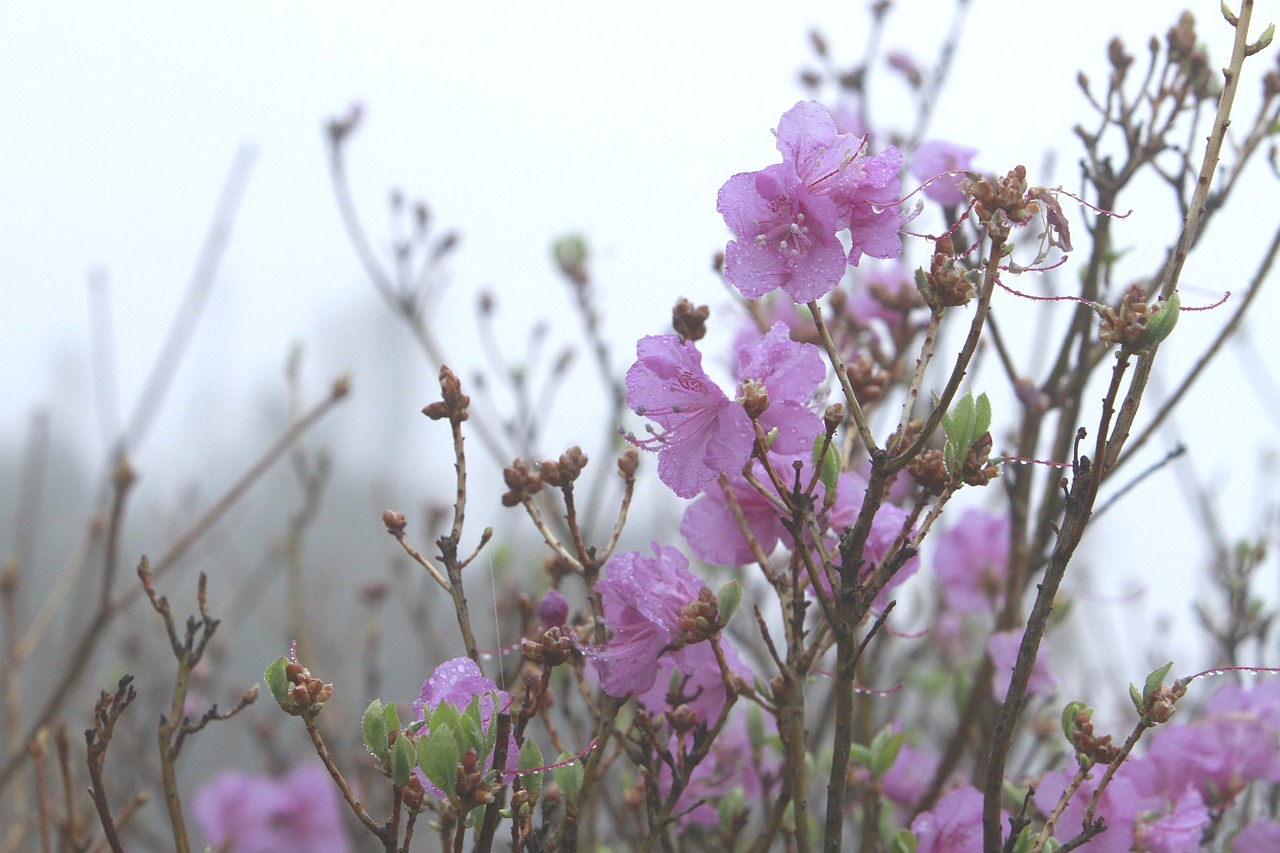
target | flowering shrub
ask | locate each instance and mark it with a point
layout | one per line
(869, 651)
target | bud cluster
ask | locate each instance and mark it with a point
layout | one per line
(454, 403)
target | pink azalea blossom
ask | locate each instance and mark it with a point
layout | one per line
(910, 775)
(712, 531)
(1003, 648)
(705, 433)
(1259, 835)
(787, 217)
(878, 288)
(1218, 754)
(954, 825)
(791, 372)
(458, 682)
(787, 235)
(250, 813)
(699, 685)
(885, 529)
(971, 562)
(1118, 806)
(936, 157)
(642, 598)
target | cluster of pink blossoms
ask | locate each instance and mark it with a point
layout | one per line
(788, 216)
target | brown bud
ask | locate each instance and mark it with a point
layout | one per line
(454, 403)
(868, 380)
(394, 522)
(521, 483)
(976, 470)
(690, 322)
(755, 398)
(682, 718)
(628, 462)
(929, 470)
(833, 417)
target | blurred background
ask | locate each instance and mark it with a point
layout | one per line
(131, 130)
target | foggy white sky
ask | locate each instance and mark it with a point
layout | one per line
(517, 122)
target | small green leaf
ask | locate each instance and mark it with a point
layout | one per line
(903, 842)
(982, 412)
(439, 756)
(861, 754)
(373, 725)
(755, 725)
(829, 464)
(1069, 715)
(530, 757)
(391, 717)
(922, 285)
(445, 716)
(732, 804)
(1137, 699)
(278, 682)
(727, 601)
(1162, 320)
(885, 754)
(1154, 680)
(1264, 40)
(471, 733)
(963, 419)
(568, 776)
(402, 761)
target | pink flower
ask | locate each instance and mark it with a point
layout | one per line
(787, 216)
(885, 292)
(885, 529)
(705, 433)
(971, 562)
(712, 531)
(1118, 806)
(1003, 648)
(935, 157)
(1231, 746)
(911, 773)
(791, 372)
(700, 684)
(1259, 835)
(954, 825)
(553, 610)
(295, 813)
(643, 598)
(457, 682)
(787, 235)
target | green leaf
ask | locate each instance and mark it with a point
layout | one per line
(402, 761)
(755, 725)
(391, 717)
(884, 754)
(982, 412)
(439, 756)
(1154, 679)
(568, 776)
(1069, 714)
(373, 725)
(278, 682)
(1137, 699)
(445, 716)
(828, 465)
(727, 601)
(861, 755)
(1264, 40)
(1161, 321)
(530, 757)
(731, 804)
(903, 842)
